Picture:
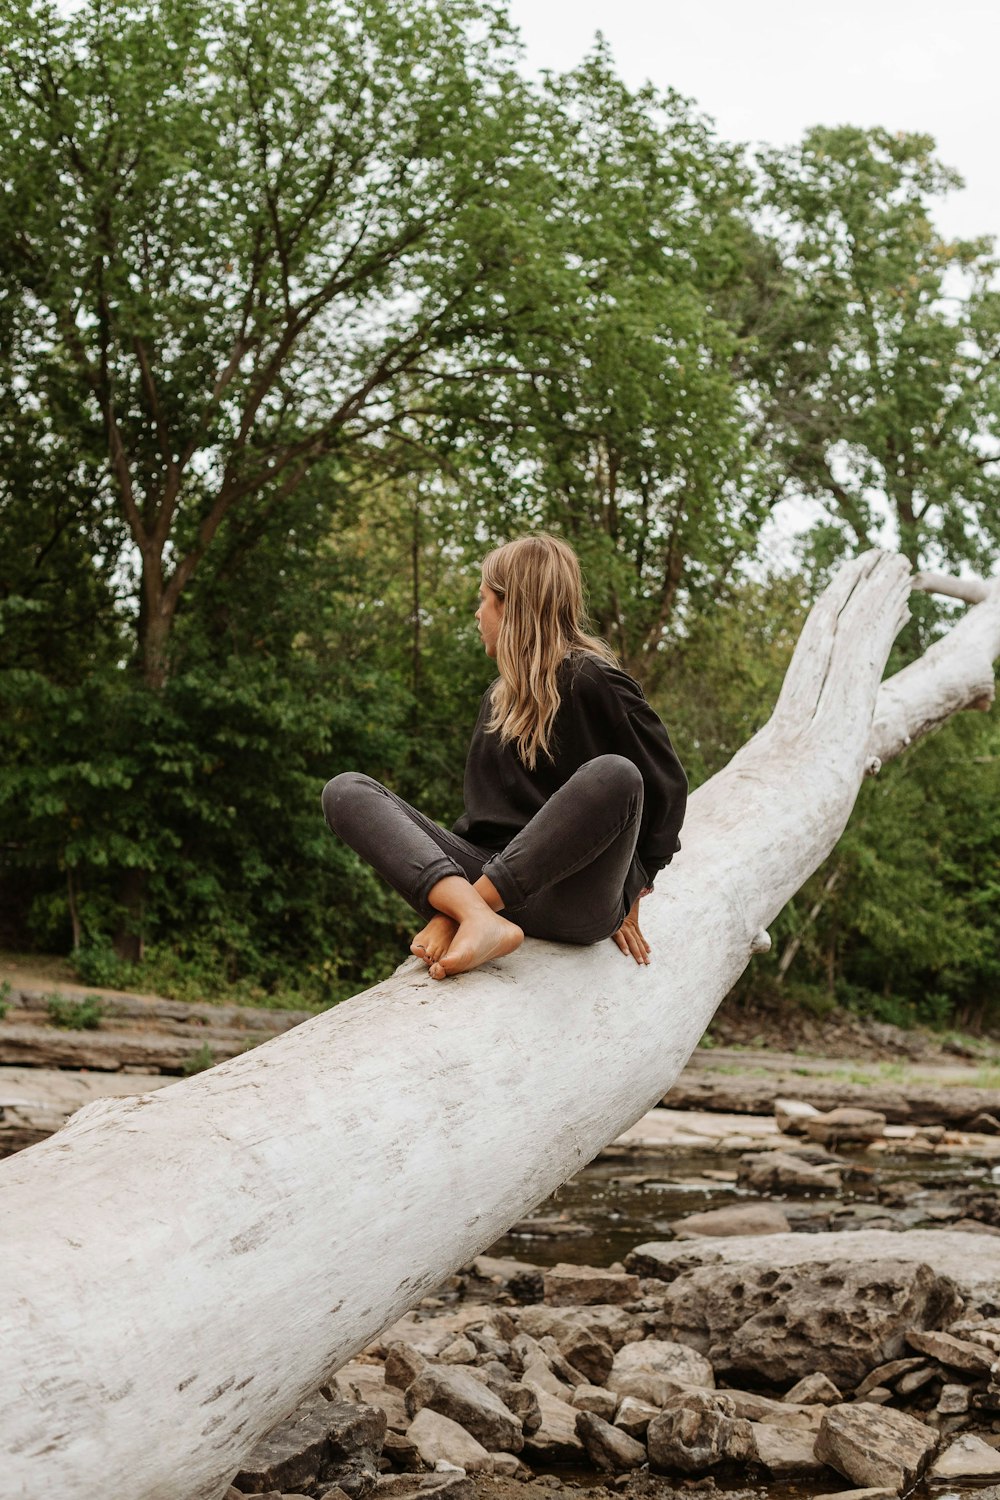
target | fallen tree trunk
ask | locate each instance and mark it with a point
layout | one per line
(181, 1269)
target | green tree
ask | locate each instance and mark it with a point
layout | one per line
(875, 349)
(625, 410)
(233, 235)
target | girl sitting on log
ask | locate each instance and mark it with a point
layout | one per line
(573, 794)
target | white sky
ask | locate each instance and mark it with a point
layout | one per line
(766, 70)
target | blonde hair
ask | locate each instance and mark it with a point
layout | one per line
(538, 579)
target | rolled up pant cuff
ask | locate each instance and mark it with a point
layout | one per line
(439, 870)
(509, 891)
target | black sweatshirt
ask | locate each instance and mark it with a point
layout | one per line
(603, 712)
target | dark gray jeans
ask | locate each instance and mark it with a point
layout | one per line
(571, 874)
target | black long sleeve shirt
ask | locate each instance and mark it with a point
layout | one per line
(602, 712)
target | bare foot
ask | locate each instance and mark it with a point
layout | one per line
(433, 941)
(480, 937)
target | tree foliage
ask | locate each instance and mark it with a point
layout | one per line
(303, 308)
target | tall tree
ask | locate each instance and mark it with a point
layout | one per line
(877, 348)
(239, 230)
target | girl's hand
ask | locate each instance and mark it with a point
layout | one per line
(630, 939)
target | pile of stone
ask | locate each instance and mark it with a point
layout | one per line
(823, 1371)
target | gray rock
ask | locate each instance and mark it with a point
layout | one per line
(663, 1357)
(438, 1437)
(363, 1384)
(813, 1390)
(506, 1464)
(878, 1492)
(846, 1124)
(758, 1408)
(779, 1172)
(741, 1218)
(556, 1438)
(453, 1485)
(967, 1457)
(953, 1401)
(971, 1262)
(643, 1385)
(519, 1399)
(775, 1325)
(787, 1452)
(612, 1324)
(873, 1445)
(915, 1380)
(521, 1280)
(400, 1452)
(328, 1442)
(403, 1364)
(886, 1374)
(589, 1356)
(608, 1447)
(461, 1351)
(957, 1354)
(595, 1398)
(538, 1373)
(355, 1440)
(700, 1435)
(585, 1286)
(790, 1115)
(456, 1393)
(635, 1416)
(558, 1363)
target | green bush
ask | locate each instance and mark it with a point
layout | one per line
(99, 965)
(75, 1015)
(199, 1061)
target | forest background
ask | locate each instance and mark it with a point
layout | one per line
(305, 307)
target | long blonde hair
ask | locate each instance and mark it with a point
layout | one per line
(538, 579)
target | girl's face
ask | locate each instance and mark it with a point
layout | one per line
(488, 617)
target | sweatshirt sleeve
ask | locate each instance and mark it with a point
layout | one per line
(643, 739)
(623, 723)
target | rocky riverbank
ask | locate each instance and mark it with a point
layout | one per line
(734, 1356)
(784, 1284)
(815, 1359)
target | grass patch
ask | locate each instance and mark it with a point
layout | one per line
(199, 1062)
(74, 1015)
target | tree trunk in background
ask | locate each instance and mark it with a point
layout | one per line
(180, 1269)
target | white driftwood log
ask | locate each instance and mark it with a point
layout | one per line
(180, 1269)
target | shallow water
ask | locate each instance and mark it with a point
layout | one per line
(620, 1201)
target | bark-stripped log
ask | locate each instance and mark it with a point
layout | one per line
(953, 674)
(180, 1269)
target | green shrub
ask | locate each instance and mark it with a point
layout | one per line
(75, 1015)
(199, 1061)
(98, 964)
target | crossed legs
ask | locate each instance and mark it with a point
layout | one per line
(563, 876)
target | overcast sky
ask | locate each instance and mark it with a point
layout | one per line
(766, 70)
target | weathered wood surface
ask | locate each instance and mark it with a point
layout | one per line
(179, 1270)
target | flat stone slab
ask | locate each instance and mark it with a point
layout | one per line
(972, 1261)
(875, 1446)
(967, 1457)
